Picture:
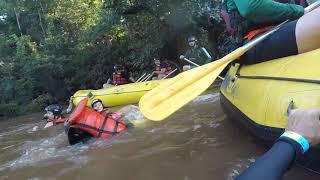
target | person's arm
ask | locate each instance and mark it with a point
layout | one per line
(82, 103)
(109, 81)
(186, 55)
(268, 11)
(227, 20)
(115, 115)
(273, 164)
(163, 70)
(226, 17)
(156, 72)
(60, 121)
(302, 130)
(132, 79)
(303, 3)
(70, 106)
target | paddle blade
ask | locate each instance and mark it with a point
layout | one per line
(170, 96)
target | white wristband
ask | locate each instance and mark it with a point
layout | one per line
(298, 138)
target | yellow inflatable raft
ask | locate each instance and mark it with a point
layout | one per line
(118, 95)
(259, 96)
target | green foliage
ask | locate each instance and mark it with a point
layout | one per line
(65, 45)
(10, 109)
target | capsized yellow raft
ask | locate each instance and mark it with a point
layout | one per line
(258, 96)
(118, 95)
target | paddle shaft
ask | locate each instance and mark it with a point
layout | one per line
(145, 78)
(312, 7)
(148, 77)
(193, 63)
(170, 73)
(141, 77)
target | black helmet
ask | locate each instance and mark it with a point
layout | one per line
(55, 109)
(95, 101)
(117, 67)
(192, 38)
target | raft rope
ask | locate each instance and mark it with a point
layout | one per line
(280, 79)
(313, 81)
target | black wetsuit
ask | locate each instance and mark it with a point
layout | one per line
(273, 164)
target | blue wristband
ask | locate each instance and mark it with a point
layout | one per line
(297, 138)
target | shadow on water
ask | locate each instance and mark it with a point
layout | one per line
(197, 142)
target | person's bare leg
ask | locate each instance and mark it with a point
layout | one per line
(308, 31)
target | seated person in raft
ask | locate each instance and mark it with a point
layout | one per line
(160, 70)
(248, 19)
(196, 55)
(120, 76)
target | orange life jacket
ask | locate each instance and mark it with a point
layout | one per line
(256, 32)
(118, 79)
(94, 123)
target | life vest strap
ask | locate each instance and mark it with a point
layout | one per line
(96, 129)
(103, 125)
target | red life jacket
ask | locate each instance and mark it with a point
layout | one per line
(94, 123)
(118, 79)
(167, 71)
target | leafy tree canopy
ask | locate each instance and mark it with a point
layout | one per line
(51, 48)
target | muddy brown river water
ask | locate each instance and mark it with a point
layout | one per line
(196, 143)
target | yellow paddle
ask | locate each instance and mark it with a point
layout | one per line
(171, 95)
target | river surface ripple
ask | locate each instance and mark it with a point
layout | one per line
(196, 143)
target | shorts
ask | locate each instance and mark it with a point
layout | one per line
(281, 43)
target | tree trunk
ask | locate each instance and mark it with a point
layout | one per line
(17, 19)
(40, 22)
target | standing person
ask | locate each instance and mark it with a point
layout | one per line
(302, 131)
(120, 76)
(196, 54)
(247, 19)
(160, 70)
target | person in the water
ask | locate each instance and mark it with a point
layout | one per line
(55, 114)
(99, 107)
(302, 131)
(86, 122)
